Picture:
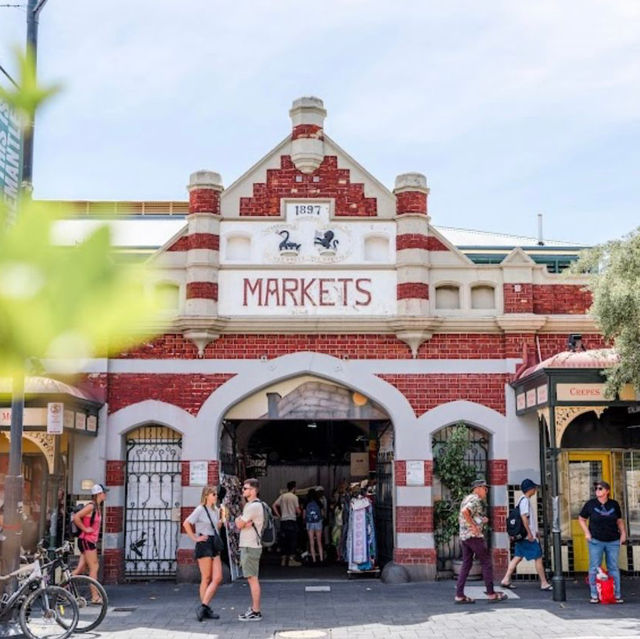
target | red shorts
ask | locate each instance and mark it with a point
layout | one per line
(85, 545)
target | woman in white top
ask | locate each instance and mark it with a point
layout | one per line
(205, 517)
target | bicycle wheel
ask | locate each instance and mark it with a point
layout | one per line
(49, 613)
(86, 590)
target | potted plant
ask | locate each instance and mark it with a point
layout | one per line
(456, 476)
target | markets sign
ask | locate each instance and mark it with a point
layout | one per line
(10, 158)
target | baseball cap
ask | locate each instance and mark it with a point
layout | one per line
(96, 489)
(527, 484)
(479, 483)
(604, 484)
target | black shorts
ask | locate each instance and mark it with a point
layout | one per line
(205, 549)
(85, 545)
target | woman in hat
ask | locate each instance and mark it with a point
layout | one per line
(89, 520)
(528, 548)
(604, 533)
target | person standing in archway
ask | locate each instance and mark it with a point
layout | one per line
(287, 507)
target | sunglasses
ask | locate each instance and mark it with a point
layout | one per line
(600, 488)
(246, 488)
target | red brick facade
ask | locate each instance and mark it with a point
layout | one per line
(114, 516)
(518, 298)
(410, 556)
(411, 519)
(204, 200)
(419, 241)
(327, 181)
(307, 131)
(113, 565)
(499, 518)
(425, 392)
(115, 472)
(568, 299)
(185, 391)
(412, 290)
(202, 290)
(498, 472)
(411, 202)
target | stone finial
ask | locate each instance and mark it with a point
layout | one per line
(411, 182)
(307, 135)
(205, 180)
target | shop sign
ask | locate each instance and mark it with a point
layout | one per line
(81, 421)
(30, 417)
(69, 419)
(415, 473)
(10, 157)
(198, 473)
(543, 394)
(531, 397)
(520, 401)
(580, 393)
(92, 423)
(55, 415)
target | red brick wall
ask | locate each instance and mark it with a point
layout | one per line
(202, 290)
(498, 472)
(113, 566)
(307, 131)
(500, 561)
(185, 557)
(187, 391)
(569, 299)
(419, 241)
(333, 182)
(114, 518)
(410, 519)
(401, 472)
(414, 555)
(425, 392)
(411, 202)
(412, 290)
(499, 518)
(196, 241)
(518, 301)
(204, 201)
(115, 472)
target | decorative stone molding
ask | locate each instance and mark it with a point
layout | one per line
(45, 442)
(521, 322)
(414, 332)
(200, 330)
(566, 414)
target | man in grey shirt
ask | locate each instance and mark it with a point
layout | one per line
(287, 507)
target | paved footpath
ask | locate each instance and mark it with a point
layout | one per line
(367, 609)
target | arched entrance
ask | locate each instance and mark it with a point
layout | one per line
(317, 433)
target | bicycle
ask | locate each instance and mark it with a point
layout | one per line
(83, 588)
(43, 611)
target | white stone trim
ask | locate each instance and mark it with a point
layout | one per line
(113, 541)
(499, 495)
(499, 540)
(413, 496)
(115, 497)
(415, 540)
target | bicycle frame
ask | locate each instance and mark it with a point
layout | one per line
(9, 604)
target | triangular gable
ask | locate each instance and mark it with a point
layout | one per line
(259, 190)
(177, 243)
(517, 257)
(443, 252)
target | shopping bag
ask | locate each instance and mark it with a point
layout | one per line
(605, 587)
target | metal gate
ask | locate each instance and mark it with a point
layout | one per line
(477, 455)
(152, 498)
(384, 507)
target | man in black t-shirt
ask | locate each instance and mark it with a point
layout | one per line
(604, 534)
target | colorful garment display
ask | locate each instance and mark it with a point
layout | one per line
(361, 548)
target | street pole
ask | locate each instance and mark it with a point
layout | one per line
(558, 581)
(13, 503)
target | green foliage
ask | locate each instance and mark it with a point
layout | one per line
(457, 475)
(56, 301)
(614, 281)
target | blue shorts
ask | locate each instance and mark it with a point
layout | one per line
(317, 525)
(528, 549)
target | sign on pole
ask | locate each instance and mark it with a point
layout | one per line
(10, 158)
(55, 416)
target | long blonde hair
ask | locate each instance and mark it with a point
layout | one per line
(206, 491)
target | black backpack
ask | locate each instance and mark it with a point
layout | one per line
(515, 525)
(74, 531)
(268, 536)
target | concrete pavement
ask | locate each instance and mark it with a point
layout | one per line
(367, 609)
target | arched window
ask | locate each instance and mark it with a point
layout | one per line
(447, 297)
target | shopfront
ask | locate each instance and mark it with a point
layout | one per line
(594, 437)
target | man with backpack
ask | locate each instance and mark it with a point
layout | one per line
(250, 524)
(525, 533)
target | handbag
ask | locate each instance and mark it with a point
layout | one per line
(218, 545)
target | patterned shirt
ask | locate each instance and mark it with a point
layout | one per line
(475, 506)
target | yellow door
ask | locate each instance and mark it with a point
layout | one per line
(585, 469)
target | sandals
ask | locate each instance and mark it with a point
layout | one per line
(464, 600)
(548, 587)
(619, 600)
(594, 600)
(499, 596)
(509, 586)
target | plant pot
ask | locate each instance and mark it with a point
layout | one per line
(475, 574)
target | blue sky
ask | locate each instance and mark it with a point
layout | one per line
(509, 108)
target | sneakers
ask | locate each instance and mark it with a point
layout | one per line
(294, 563)
(200, 612)
(250, 615)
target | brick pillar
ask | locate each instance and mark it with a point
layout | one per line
(113, 540)
(412, 244)
(307, 135)
(497, 476)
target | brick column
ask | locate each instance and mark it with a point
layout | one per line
(497, 476)
(113, 541)
(203, 244)
(412, 244)
(307, 135)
